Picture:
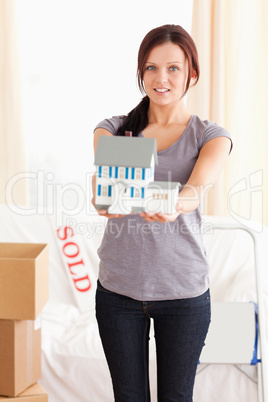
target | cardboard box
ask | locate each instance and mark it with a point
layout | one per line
(20, 356)
(33, 394)
(23, 280)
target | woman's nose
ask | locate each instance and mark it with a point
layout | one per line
(161, 77)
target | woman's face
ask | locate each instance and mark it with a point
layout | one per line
(165, 74)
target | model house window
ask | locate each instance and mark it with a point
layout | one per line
(138, 174)
(104, 191)
(122, 172)
(137, 192)
(105, 171)
(158, 196)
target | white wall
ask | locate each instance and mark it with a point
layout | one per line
(78, 63)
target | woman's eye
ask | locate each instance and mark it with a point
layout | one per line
(150, 68)
(174, 68)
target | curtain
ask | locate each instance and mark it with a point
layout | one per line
(231, 37)
(12, 153)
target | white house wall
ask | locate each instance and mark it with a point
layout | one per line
(160, 200)
(150, 172)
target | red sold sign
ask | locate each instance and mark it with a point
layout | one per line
(77, 267)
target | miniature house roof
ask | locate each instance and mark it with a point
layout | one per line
(125, 151)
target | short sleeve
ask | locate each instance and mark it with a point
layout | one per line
(112, 124)
(213, 130)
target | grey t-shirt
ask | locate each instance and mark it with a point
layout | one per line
(160, 261)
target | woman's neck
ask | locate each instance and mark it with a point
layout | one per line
(165, 115)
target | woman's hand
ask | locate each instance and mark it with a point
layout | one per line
(104, 212)
(160, 217)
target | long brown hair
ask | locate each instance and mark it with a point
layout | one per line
(137, 119)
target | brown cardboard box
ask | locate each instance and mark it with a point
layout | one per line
(33, 394)
(23, 280)
(20, 356)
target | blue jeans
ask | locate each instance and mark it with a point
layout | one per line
(180, 328)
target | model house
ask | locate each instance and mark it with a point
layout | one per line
(125, 177)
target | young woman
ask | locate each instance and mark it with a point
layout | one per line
(153, 265)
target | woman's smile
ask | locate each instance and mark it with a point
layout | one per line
(161, 90)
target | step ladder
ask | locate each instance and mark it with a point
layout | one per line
(237, 331)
